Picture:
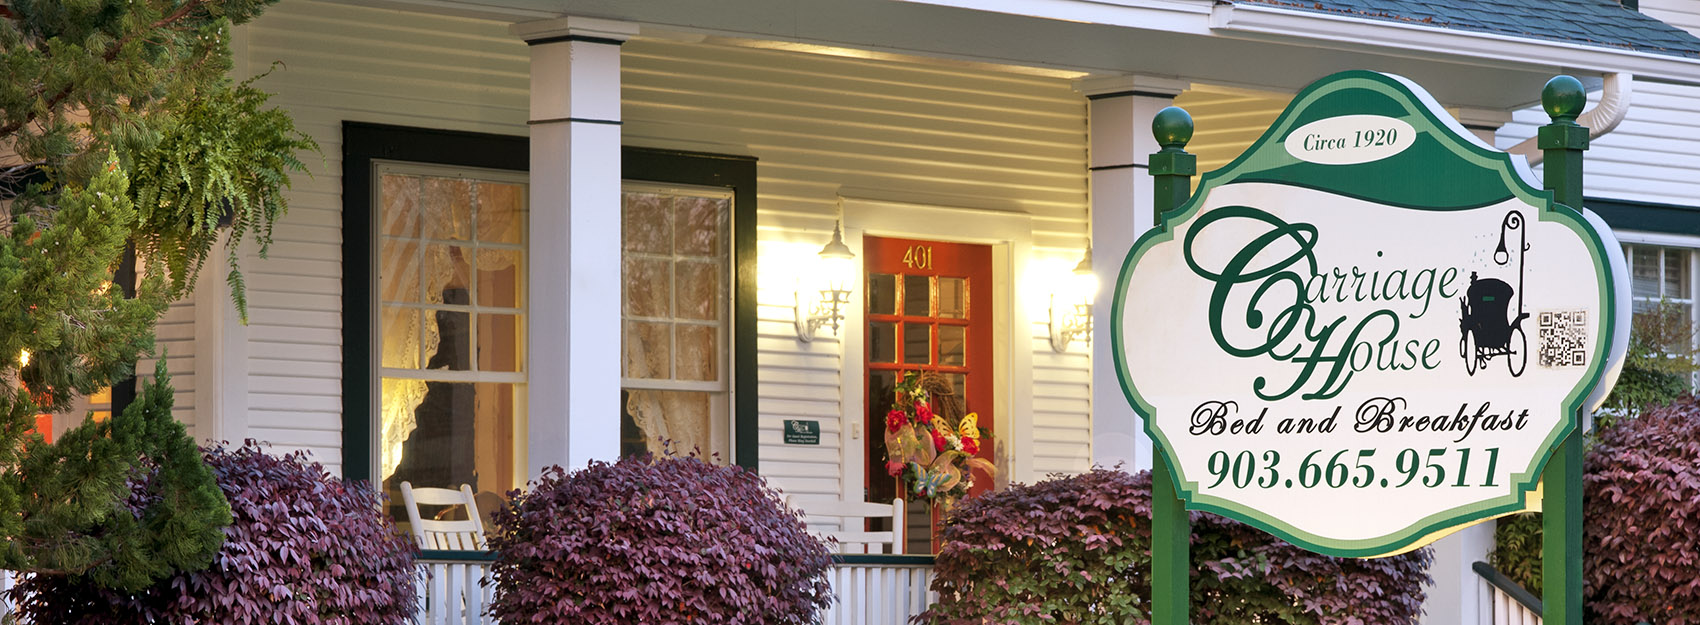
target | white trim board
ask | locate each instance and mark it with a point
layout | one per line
(1658, 238)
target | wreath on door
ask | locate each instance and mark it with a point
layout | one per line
(930, 444)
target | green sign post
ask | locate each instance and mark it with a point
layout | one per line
(1369, 330)
(1171, 169)
(1562, 143)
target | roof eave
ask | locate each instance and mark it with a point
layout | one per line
(1370, 35)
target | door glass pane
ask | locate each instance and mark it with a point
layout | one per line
(959, 385)
(882, 341)
(917, 296)
(917, 344)
(882, 294)
(953, 298)
(882, 387)
(953, 346)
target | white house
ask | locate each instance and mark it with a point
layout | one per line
(550, 231)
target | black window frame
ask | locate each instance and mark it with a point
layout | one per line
(365, 142)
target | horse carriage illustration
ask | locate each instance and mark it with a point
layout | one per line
(1489, 330)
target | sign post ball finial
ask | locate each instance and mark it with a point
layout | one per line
(1563, 98)
(1172, 127)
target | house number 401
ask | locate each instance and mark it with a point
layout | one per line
(918, 257)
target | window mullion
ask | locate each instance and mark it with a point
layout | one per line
(419, 280)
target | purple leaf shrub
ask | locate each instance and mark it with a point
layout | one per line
(1077, 549)
(1641, 517)
(671, 540)
(304, 548)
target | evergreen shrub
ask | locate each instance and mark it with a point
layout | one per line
(662, 541)
(304, 548)
(1077, 549)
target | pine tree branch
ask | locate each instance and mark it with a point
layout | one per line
(111, 54)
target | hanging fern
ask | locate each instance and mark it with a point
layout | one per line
(223, 158)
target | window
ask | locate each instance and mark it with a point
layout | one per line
(451, 326)
(435, 308)
(1662, 292)
(1660, 274)
(688, 309)
(675, 317)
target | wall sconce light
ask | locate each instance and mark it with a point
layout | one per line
(1071, 306)
(838, 264)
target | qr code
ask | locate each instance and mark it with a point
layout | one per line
(1564, 338)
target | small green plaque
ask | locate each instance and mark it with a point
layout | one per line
(802, 432)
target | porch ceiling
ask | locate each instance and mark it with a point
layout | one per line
(1200, 40)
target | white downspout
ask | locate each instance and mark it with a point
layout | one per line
(1603, 118)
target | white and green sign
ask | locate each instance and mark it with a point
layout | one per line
(1370, 328)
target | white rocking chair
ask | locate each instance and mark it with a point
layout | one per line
(467, 535)
(849, 516)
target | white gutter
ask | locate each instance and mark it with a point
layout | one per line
(1179, 16)
(1356, 34)
(1614, 104)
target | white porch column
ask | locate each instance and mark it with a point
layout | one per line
(1120, 109)
(1454, 596)
(573, 350)
(221, 354)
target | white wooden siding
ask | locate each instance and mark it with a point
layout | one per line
(1653, 156)
(1683, 14)
(1226, 121)
(174, 340)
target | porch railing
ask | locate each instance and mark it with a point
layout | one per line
(870, 589)
(453, 591)
(1502, 601)
(879, 589)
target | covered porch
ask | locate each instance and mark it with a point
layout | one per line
(1021, 131)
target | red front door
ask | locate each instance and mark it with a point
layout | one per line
(929, 308)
